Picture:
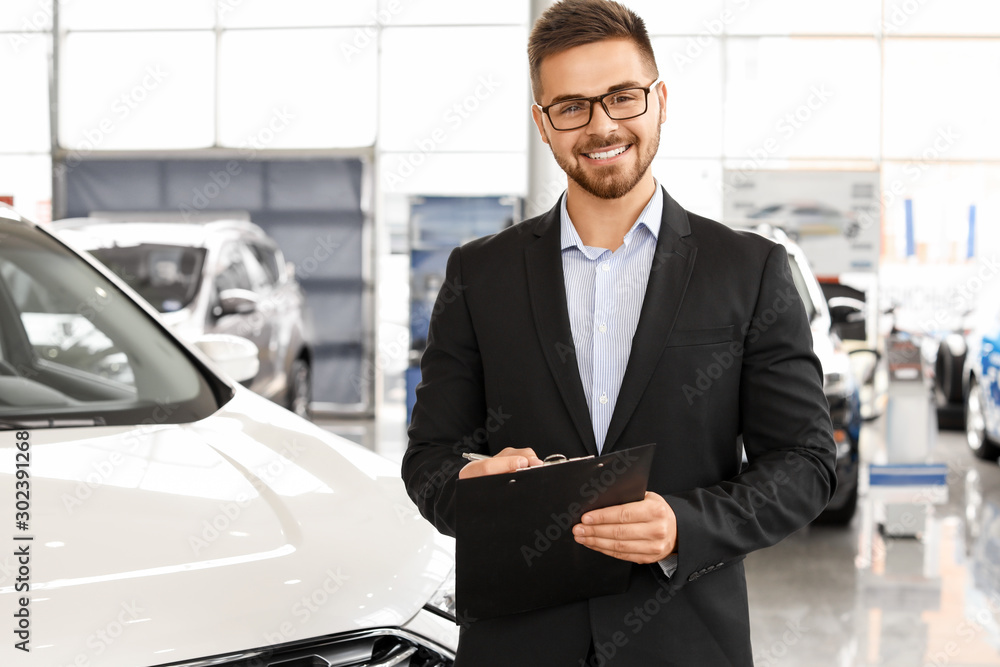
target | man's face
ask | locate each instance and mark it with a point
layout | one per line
(595, 69)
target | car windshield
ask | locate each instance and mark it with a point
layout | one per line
(167, 276)
(75, 350)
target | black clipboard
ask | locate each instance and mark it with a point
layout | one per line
(514, 544)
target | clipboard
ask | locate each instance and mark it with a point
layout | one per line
(514, 547)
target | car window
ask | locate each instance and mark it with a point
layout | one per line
(78, 349)
(233, 271)
(802, 288)
(269, 259)
(166, 276)
(258, 275)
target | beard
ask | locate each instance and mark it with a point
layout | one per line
(612, 181)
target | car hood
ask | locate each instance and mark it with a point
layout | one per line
(253, 527)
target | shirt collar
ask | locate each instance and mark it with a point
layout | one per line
(650, 218)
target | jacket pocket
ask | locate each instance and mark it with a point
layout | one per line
(681, 338)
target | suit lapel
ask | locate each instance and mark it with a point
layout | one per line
(547, 293)
(673, 262)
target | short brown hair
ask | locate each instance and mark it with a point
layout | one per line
(570, 23)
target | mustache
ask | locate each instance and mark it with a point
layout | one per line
(612, 140)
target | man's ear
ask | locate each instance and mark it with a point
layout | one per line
(661, 94)
(538, 117)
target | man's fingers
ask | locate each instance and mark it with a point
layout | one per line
(636, 551)
(508, 460)
(623, 531)
(526, 452)
(648, 509)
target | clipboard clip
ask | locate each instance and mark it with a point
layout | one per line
(556, 459)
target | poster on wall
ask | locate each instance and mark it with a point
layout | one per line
(834, 216)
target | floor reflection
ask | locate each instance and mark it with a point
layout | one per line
(932, 600)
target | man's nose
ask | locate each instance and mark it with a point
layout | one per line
(600, 121)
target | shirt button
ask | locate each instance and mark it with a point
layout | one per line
(603, 399)
(606, 266)
(602, 328)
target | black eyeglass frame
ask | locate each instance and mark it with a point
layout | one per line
(599, 98)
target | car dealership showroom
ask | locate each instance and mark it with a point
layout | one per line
(283, 306)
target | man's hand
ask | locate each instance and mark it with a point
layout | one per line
(642, 532)
(508, 460)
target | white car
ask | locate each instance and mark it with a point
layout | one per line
(159, 514)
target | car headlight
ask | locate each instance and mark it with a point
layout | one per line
(442, 602)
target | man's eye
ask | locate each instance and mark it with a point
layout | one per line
(623, 98)
(570, 109)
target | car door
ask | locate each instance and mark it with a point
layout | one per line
(236, 276)
(269, 322)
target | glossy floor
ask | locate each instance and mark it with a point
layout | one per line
(927, 601)
(930, 600)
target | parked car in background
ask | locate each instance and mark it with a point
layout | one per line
(177, 518)
(981, 378)
(807, 218)
(839, 382)
(224, 276)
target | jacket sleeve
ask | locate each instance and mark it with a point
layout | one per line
(787, 435)
(450, 406)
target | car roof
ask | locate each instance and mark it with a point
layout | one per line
(95, 232)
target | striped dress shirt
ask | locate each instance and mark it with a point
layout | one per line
(604, 294)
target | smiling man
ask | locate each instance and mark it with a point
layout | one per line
(583, 327)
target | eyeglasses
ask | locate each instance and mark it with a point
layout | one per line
(618, 104)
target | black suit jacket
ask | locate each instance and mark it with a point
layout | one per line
(723, 348)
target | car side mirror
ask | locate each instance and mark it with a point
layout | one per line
(235, 356)
(237, 302)
(847, 317)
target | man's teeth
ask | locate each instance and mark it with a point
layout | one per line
(605, 155)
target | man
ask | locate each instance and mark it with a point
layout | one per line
(614, 320)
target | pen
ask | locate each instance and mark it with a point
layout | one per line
(551, 458)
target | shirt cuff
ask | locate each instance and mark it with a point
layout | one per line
(668, 565)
